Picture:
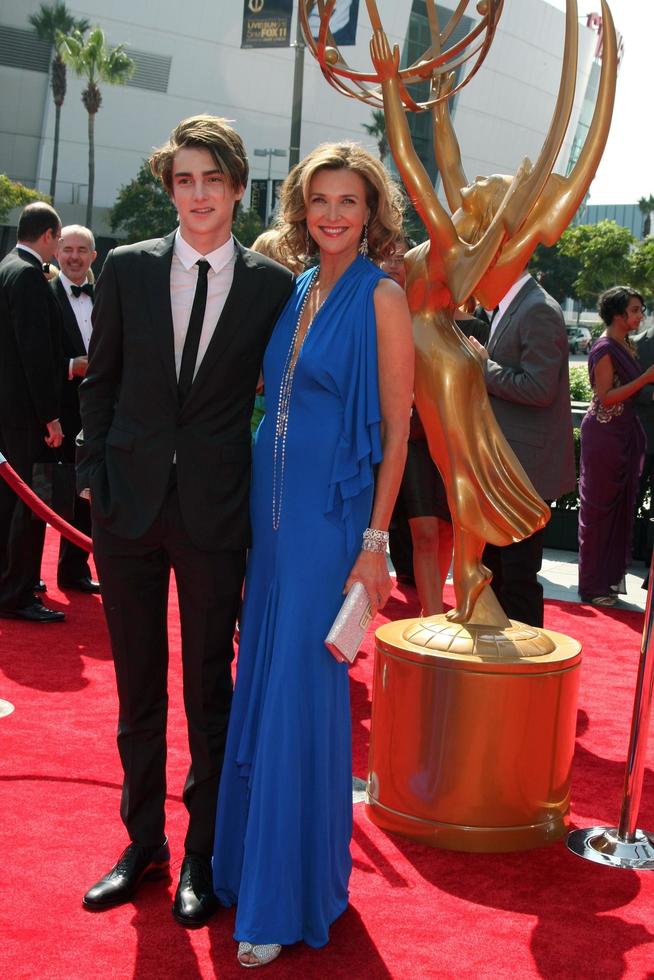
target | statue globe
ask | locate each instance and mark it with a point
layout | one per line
(443, 57)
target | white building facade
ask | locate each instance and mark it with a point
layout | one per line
(189, 60)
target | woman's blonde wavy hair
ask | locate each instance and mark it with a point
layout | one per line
(383, 197)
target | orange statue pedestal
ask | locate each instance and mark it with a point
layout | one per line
(472, 734)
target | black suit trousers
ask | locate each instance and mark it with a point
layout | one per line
(135, 575)
(74, 561)
(21, 535)
(515, 569)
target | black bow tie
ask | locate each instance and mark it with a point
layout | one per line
(78, 290)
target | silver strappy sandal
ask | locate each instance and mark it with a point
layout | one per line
(263, 953)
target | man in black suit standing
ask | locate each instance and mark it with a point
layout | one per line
(526, 368)
(75, 253)
(180, 327)
(30, 383)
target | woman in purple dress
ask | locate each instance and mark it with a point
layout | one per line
(612, 447)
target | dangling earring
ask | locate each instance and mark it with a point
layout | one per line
(363, 247)
(307, 243)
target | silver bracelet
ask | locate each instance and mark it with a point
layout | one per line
(374, 540)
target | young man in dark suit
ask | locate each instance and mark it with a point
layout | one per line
(74, 293)
(180, 327)
(526, 367)
(30, 385)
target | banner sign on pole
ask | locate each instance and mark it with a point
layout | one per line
(342, 23)
(266, 23)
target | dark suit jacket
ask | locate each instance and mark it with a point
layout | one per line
(72, 346)
(132, 420)
(30, 344)
(644, 344)
(528, 384)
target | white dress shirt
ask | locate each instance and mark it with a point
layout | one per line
(506, 301)
(82, 307)
(26, 248)
(183, 280)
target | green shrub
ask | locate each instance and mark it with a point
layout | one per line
(580, 389)
(570, 501)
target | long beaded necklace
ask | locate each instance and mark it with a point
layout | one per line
(284, 404)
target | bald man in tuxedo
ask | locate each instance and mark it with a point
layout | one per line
(74, 294)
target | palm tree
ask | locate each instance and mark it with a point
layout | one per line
(377, 128)
(92, 59)
(646, 205)
(50, 23)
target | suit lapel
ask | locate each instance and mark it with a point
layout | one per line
(234, 314)
(69, 319)
(157, 289)
(514, 306)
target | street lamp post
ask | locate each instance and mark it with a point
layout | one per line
(270, 153)
(298, 85)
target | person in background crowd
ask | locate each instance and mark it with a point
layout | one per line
(339, 376)
(180, 326)
(422, 501)
(612, 449)
(30, 393)
(75, 253)
(400, 543)
(644, 348)
(526, 372)
(270, 243)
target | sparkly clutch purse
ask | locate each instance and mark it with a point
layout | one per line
(349, 627)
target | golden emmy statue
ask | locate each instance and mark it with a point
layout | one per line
(473, 715)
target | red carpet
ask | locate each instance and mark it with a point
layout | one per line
(415, 912)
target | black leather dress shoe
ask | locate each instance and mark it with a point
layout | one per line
(34, 613)
(85, 584)
(195, 901)
(134, 865)
(40, 586)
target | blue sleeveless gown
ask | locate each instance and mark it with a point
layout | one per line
(284, 820)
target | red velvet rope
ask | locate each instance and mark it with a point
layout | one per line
(42, 510)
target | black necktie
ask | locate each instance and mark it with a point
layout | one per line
(78, 290)
(493, 315)
(192, 342)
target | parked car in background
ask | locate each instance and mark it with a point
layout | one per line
(579, 340)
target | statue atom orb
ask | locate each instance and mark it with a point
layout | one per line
(441, 58)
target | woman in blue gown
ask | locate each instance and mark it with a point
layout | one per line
(338, 375)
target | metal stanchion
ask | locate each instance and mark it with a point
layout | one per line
(626, 846)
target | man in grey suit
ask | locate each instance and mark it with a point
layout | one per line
(526, 368)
